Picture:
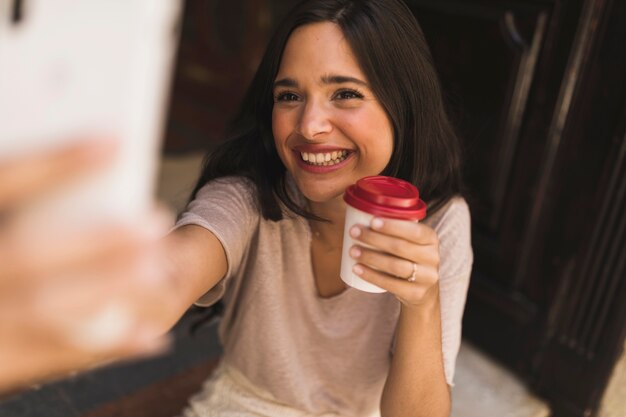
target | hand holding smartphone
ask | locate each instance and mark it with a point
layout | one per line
(71, 285)
(72, 69)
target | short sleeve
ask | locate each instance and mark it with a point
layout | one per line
(455, 249)
(227, 208)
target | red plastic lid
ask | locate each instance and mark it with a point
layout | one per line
(386, 197)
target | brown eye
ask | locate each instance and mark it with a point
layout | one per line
(287, 97)
(348, 95)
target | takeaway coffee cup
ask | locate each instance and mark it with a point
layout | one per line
(370, 197)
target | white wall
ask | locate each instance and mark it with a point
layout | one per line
(177, 177)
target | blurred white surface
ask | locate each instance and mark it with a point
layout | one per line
(484, 388)
(80, 69)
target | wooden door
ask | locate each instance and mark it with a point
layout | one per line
(537, 90)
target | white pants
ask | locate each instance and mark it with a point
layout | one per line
(228, 393)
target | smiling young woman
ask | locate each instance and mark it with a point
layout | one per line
(346, 89)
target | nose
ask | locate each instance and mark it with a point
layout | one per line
(314, 121)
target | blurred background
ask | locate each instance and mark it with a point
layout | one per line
(537, 91)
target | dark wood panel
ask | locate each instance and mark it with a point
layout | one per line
(221, 44)
(537, 144)
(486, 58)
(592, 291)
(586, 326)
(586, 334)
(502, 316)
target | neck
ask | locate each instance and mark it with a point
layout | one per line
(330, 232)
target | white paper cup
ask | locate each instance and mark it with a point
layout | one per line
(354, 216)
(370, 197)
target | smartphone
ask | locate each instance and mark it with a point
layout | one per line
(82, 68)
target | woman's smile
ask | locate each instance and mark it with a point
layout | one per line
(322, 159)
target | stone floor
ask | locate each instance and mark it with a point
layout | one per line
(614, 401)
(483, 388)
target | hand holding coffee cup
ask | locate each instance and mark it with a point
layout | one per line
(385, 247)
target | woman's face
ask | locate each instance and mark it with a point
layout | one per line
(329, 128)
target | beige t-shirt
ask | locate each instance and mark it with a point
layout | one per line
(316, 354)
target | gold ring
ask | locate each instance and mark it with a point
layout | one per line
(413, 275)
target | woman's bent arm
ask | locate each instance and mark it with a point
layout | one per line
(416, 384)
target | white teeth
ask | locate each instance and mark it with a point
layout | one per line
(324, 159)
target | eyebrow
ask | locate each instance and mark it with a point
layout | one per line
(342, 79)
(327, 79)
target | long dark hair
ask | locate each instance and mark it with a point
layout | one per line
(392, 52)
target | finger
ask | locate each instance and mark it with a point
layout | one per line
(25, 257)
(113, 328)
(25, 361)
(413, 291)
(427, 254)
(408, 230)
(98, 309)
(391, 265)
(28, 176)
(98, 316)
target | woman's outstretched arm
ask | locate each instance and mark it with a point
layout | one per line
(73, 300)
(196, 263)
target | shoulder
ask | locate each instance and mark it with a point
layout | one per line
(455, 213)
(452, 222)
(225, 200)
(232, 184)
(236, 190)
